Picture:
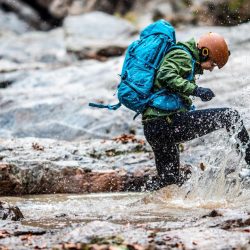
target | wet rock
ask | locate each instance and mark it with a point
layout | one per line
(213, 213)
(63, 167)
(235, 223)
(107, 231)
(40, 51)
(192, 238)
(14, 235)
(97, 34)
(8, 212)
(56, 107)
(9, 182)
(10, 23)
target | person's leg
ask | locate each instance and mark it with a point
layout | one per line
(167, 162)
(164, 136)
(166, 154)
(189, 125)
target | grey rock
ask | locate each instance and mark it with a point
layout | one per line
(56, 107)
(42, 103)
(8, 212)
(11, 23)
(90, 34)
(95, 230)
(31, 166)
(43, 48)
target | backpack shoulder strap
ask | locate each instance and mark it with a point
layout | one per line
(191, 76)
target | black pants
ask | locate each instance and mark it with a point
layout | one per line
(164, 136)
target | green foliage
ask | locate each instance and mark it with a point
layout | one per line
(234, 5)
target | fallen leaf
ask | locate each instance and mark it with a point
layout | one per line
(4, 234)
(37, 147)
(202, 166)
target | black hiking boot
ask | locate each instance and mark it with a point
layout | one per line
(155, 182)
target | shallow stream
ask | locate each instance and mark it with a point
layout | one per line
(169, 204)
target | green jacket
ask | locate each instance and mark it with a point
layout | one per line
(175, 67)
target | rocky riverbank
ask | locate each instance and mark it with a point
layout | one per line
(126, 221)
(36, 166)
(44, 15)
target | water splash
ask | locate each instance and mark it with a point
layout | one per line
(219, 185)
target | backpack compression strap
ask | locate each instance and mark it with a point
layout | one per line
(102, 106)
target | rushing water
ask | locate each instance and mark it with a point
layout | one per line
(216, 186)
(171, 207)
(169, 204)
(179, 213)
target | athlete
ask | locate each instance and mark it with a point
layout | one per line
(165, 130)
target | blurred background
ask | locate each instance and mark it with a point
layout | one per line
(57, 55)
(48, 14)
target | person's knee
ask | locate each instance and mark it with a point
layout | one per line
(232, 118)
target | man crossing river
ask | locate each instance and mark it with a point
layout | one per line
(164, 130)
(158, 82)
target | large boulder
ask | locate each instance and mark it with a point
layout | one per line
(42, 103)
(32, 166)
(97, 34)
(32, 50)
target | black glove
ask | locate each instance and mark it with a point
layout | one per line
(205, 94)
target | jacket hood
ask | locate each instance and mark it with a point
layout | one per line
(191, 45)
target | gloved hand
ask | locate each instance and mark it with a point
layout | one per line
(205, 94)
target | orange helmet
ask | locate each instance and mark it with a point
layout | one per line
(217, 48)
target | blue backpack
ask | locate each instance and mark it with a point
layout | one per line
(142, 60)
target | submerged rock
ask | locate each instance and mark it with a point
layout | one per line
(8, 212)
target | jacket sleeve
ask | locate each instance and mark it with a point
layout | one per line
(175, 67)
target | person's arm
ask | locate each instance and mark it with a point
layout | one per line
(176, 66)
